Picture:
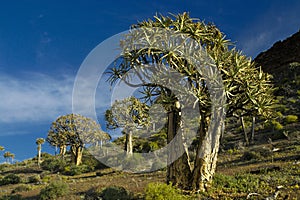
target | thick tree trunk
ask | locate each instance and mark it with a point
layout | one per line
(128, 143)
(79, 156)
(178, 172)
(76, 154)
(207, 154)
(244, 130)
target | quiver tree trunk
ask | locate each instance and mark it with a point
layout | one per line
(207, 152)
(76, 154)
(244, 130)
(62, 150)
(128, 143)
(39, 148)
(178, 171)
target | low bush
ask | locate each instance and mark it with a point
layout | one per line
(54, 164)
(10, 179)
(291, 119)
(76, 170)
(11, 197)
(22, 188)
(162, 191)
(54, 190)
(34, 179)
(277, 125)
(115, 193)
(251, 155)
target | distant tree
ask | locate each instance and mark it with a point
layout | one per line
(39, 142)
(128, 114)
(12, 157)
(8, 155)
(2, 148)
(99, 138)
(73, 130)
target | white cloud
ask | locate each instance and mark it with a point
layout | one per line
(34, 97)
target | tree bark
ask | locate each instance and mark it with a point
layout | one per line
(244, 130)
(207, 154)
(62, 150)
(39, 154)
(178, 171)
(128, 143)
(76, 154)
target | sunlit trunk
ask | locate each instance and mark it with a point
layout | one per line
(62, 150)
(39, 154)
(76, 154)
(128, 143)
(207, 155)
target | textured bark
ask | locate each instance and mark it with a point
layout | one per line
(207, 156)
(128, 144)
(76, 154)
(178, 172)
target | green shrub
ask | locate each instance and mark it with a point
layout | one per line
(10, 179)
(277, 125)
(22, 188)
(251, 155)
(244, 183)
(115, 193)
(54, 190)
(11, 197)
(291, 119)
(53, 164)
(34, 179)
(162, 191)
(76, 170)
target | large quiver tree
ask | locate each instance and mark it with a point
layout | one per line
(246, 88)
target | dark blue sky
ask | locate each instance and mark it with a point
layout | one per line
(43, 43)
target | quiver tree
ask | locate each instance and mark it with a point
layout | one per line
(8, 155)
(129, 114)
(73, 130)
(39, 142)
(166, 41)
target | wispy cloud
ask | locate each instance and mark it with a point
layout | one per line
(34, 97)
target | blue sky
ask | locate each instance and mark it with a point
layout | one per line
(43, 43)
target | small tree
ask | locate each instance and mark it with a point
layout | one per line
(39, 142)
(8, 155)
(75, 131)
(2, 148)
(129, 114)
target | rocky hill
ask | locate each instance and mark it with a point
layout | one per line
(282, 57)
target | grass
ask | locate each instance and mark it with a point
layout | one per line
(261, 171)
